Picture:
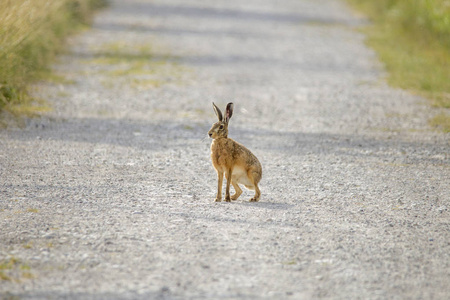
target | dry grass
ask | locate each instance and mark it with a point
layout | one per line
(412, 38)
(32, 33)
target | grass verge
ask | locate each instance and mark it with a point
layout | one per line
(32, 33)
(412, 39)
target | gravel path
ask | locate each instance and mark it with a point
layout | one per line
(110, 195)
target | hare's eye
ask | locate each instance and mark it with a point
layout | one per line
(221, 127)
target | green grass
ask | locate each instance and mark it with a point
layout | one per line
(32, 33)
(412, 39)
(140, 67)
(13, 269)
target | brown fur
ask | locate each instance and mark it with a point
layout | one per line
(233, 160)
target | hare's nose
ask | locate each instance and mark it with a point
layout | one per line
(210, 134)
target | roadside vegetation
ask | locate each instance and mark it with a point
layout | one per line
(32, 33)
(412, 38)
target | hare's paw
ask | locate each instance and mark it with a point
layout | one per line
(235, 196)
(254, 199)
(217, 200)
(227, 198)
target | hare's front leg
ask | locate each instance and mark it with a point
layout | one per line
(219, 186)
(227, 190)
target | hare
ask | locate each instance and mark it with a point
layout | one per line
(238, 164)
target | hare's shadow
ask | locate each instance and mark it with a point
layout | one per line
(267, 205)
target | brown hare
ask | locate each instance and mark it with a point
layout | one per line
(238, 164)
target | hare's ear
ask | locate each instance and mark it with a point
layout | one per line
(229, 112)
(218, 112)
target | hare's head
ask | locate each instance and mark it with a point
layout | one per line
(220, 129)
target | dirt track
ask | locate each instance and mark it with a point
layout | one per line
(110, 195)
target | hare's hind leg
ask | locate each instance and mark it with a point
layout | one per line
(257, 194)
(255, 177)
(237, 189)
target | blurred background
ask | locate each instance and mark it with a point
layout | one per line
(411, 38)
(32, 33)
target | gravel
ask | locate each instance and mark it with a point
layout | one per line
(110, 195)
